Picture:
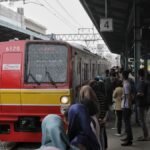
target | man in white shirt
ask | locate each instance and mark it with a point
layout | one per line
(126, 105)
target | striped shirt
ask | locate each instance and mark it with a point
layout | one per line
(99, 90)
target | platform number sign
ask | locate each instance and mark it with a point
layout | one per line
(106, 24)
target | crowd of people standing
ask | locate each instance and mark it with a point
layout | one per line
(128, 96)
(86, 118)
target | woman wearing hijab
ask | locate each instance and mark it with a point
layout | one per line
(79, 130)
(53, 133)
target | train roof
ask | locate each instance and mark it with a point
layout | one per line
(75, 45)
(79, 46)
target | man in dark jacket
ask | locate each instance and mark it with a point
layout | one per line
(141, 103)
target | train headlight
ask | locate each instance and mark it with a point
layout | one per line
(64, 100)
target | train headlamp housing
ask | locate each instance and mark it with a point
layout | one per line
(64, 100)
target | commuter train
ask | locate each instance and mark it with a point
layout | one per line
(39, 78)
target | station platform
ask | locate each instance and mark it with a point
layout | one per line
(114, 142)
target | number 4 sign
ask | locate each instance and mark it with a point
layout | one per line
(106, 24)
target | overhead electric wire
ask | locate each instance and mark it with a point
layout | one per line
(53, 12)
(59, 15)
(66, 11)
(33, 3)
(56, 11)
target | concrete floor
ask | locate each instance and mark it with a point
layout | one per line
(114, 142)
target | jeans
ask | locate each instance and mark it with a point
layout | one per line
(142, 119)
(103, 138)
(127, 121)
(119, 120)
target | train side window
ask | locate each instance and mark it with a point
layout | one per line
(93, 70)
(98, 69)
(86, 71)
(79, 68)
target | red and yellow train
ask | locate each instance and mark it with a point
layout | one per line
(38, 78)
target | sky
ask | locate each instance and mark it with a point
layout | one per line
(58, 16)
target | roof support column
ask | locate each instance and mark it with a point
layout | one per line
(137, 37)
(126, 52)
(126, 61)
(31, 37)
(146, 64)
(106, 8)
(122, 60)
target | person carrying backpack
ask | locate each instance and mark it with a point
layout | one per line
(99, 89)
(108, 87)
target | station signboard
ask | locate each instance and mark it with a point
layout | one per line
(106, 25)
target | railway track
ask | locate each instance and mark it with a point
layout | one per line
(18, 146)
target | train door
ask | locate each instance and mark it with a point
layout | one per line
(11, 82)
(76, 74)
(80, 71)
(75, 69)
(90, 76)
(96, 69)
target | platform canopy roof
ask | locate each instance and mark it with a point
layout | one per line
(9, 31)
(122, 13)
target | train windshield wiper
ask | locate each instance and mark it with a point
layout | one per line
(32, 76)
(50, 78)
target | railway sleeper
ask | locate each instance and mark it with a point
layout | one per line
(7, 145)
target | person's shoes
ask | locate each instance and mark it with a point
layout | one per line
(143, 139)
(128, 143)
(125, 139)
(114, 128)
(118, 134)
(124, 133)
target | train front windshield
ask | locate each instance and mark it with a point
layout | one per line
(46, 63)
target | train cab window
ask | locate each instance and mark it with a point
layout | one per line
(45, 63)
